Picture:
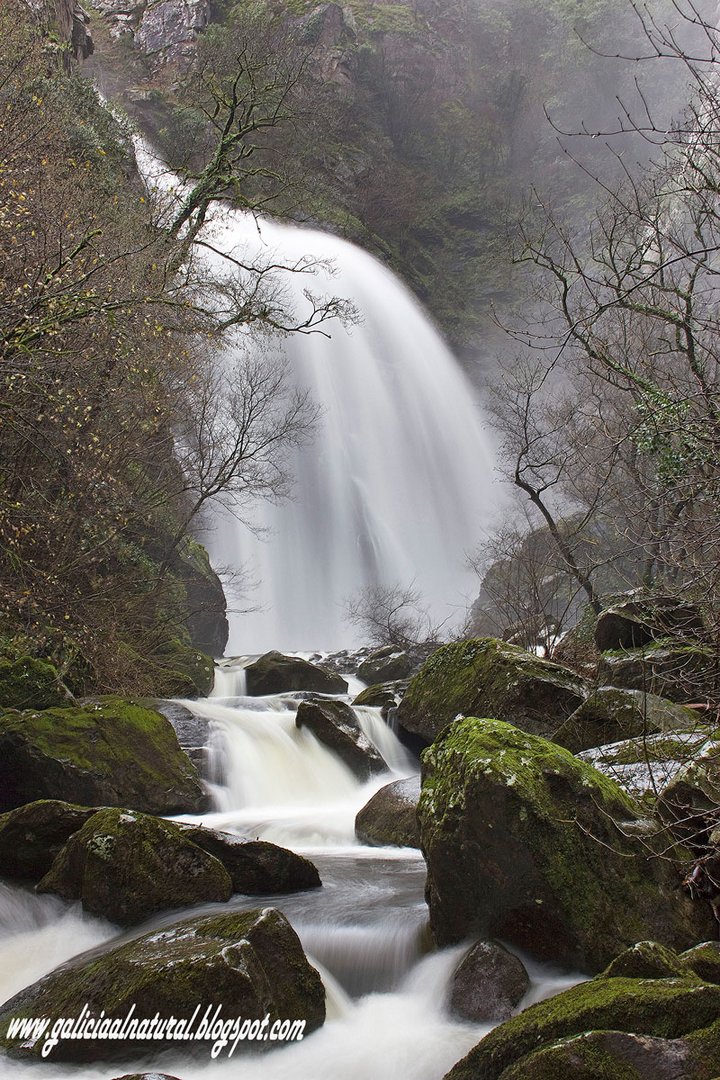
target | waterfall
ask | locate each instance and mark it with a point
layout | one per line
(396, 485)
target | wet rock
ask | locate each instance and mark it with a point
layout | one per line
(385, 665)
(32, 836)
(126, 866)
(690, 803)
(528, 844)
(251, 962)
(683, 672)
(384, 696)
(647, 960)
(336, 726)
(390, 817)
(488, 984)
(665, 1009)
(107, 753)
(613, 1054)
(486, 677)
(704, 961)
(643, 766)
(610, 715)
(256, 867)
(274, 673)
(640, 620)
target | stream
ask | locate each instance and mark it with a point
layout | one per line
(366, 929)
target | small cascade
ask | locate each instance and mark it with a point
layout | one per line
(384, 739)
(230, 678)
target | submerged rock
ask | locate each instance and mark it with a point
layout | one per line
(274, 673)
(486, 677)
(256, 867)
(336, 726)
(528, 1046)
(390, 817)
(250, 963)
(528, 844)
(126, 866)
(32, 836)
(488, 984)
(108, 753)
(610, 715)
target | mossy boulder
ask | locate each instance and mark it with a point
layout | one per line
(126, 866)
(335, 725)
(488, 984)
(639, 620)
(275, 673)
(32, 836)
(390, 817)
(647, 960)
(681, 671)
(184, 671)
(250, 962)
(643, 766)
(383, 696)
(704, 960)
(30, 684)
(108, 752)
(690, 803)
(528, 844)
(486, 677)
(385, 665)
(660, 1008)
(207, 622)
(610, 715)
(256, 867)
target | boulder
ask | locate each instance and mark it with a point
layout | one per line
(274, 673)
(249, 963)
(610, 714)
(486, 677)
(184, 671)
(385, 665)
(110, 752)
(690, 803)
(389, 819)
(683, 672)
(335, 725)
(32, 836)
(256, 867)
(659, 1008)
(616, 1055)
(147, 1076)
(488, 984)
(383, 696)
(643, 766)
(640, 620)
(704, 961)
(126, 866)
(30, 684)
(528, 844)
(647, 960)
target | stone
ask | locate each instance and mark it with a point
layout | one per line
(30, 684)
(615, 1055)
(640, 620)
(488, 984)
(647, 960)
(108, 752)
(32, 836)
(335, 725)
(274, 673)
(704, 960)
(685, 672)
(389, 819)
(610, 715)
(526, 843)
(486, 677)
(690, 803)
(126, 866)
(385, 665)
(643, 766)
(249, 962)
(659, 1008)
(256, 867)
(383, 696)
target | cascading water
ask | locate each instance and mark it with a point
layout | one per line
(396, 485)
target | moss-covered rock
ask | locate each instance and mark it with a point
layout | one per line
(382, 695)
(110, 752)
(184, 671)
(126, 866)
(390, 817)
(30, 684)
(663, 1008)
(528, 844)
(609, 1055)
(488, 984)
(639, 620)
(610, 715)
(643, 766)
(335, 725)
(647, 960)
(680, 671)
(486, 677)
(274, 673)
(385, 665)
(704, 960)
(256, 867)
(32, 836)
(689, 804)
(250, 962)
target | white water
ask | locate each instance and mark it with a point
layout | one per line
(396, 485)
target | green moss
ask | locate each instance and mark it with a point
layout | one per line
(29, 684)
(665, 1008)
(578, 1057)
(648, 960)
